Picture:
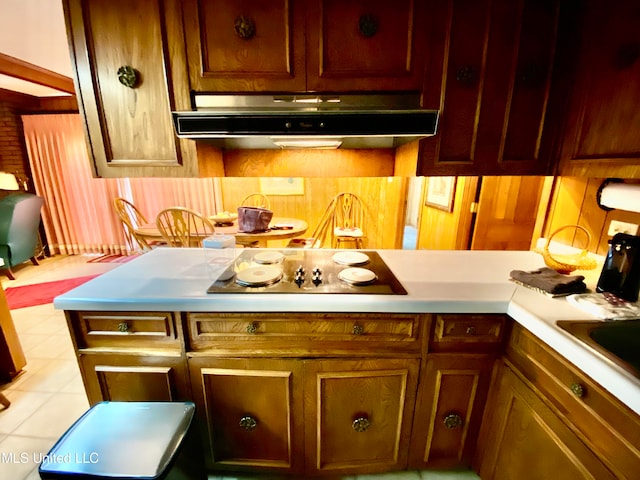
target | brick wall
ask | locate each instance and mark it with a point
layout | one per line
(13, 152)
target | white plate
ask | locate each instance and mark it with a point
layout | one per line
(350, 258)
(228, 218)
(268, 257)
(357, 276)
(259, 276)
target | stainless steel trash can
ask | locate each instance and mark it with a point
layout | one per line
(127, 440)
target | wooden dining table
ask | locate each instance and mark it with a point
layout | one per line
(280, 228)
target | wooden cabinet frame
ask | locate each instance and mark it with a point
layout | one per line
(129, 130)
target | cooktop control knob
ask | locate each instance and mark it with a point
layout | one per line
(300, 271)
(299, 280)
(316, 276)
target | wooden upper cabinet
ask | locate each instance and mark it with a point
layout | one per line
(245, 45)
(305, 45)
(489, 75)
(365, 45)
(129, 128)
(602, 127)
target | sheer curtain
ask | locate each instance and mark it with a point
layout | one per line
(78, 215)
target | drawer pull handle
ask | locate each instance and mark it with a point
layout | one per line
(123, 327)
(452, 420)
(471, 330)
(578, 390)
(248, 423)
(361, 424)
(252, 328)
(358, 329)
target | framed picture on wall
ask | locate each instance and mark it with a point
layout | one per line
(440, 193)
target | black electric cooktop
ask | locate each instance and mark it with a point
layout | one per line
(308, 271)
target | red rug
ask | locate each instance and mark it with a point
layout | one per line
(114, 258)
(41, 293)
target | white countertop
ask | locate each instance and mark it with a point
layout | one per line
(436, 281)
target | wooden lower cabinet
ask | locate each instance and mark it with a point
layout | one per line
(295, 416)
(308, 395)
(524, 439)
(609, 428)
(250, 413)
(358, 414)
(452, 398)
(134, 378)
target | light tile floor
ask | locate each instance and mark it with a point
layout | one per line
(49, 396)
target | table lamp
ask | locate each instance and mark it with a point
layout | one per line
(8, 181)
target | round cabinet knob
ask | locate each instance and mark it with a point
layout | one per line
(358, 329)
(252, 328)
(361, 424)
(248, 423)
(123, 327)
(245, 27)
(368, 25)
(578, 390)
(452, 420)
(471, 330)
(466, 75)
(127, 76)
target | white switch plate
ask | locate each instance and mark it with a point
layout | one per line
(622, 227)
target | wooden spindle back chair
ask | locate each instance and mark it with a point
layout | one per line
(183, 227)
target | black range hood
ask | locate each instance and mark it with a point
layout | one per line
(354, 121)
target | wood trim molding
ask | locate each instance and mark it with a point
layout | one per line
(22, 100)
(30, 103)
(15, 67)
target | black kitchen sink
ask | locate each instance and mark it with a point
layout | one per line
(618, 340)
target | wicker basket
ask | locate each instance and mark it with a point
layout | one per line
(567, 263)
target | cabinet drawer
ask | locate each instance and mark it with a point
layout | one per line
(609, 427)
(304, 333)
(124, 329)
(467, 330)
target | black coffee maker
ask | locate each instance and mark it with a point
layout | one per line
(621, 271)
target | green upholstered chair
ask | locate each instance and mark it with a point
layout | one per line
(19, 223)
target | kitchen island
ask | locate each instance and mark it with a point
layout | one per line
(151, 319)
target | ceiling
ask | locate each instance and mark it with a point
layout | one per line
(34, 31)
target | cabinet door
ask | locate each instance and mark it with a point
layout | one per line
(251, 413)
(129, 128)
(358, 414)
(134, 378)
(602, 127)
(489, 75)
(524, 439)
(245, 45)
(366, 45)
(451, 400)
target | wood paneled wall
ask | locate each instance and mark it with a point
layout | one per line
(574, 202)
(298, 162)
(383, 197)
